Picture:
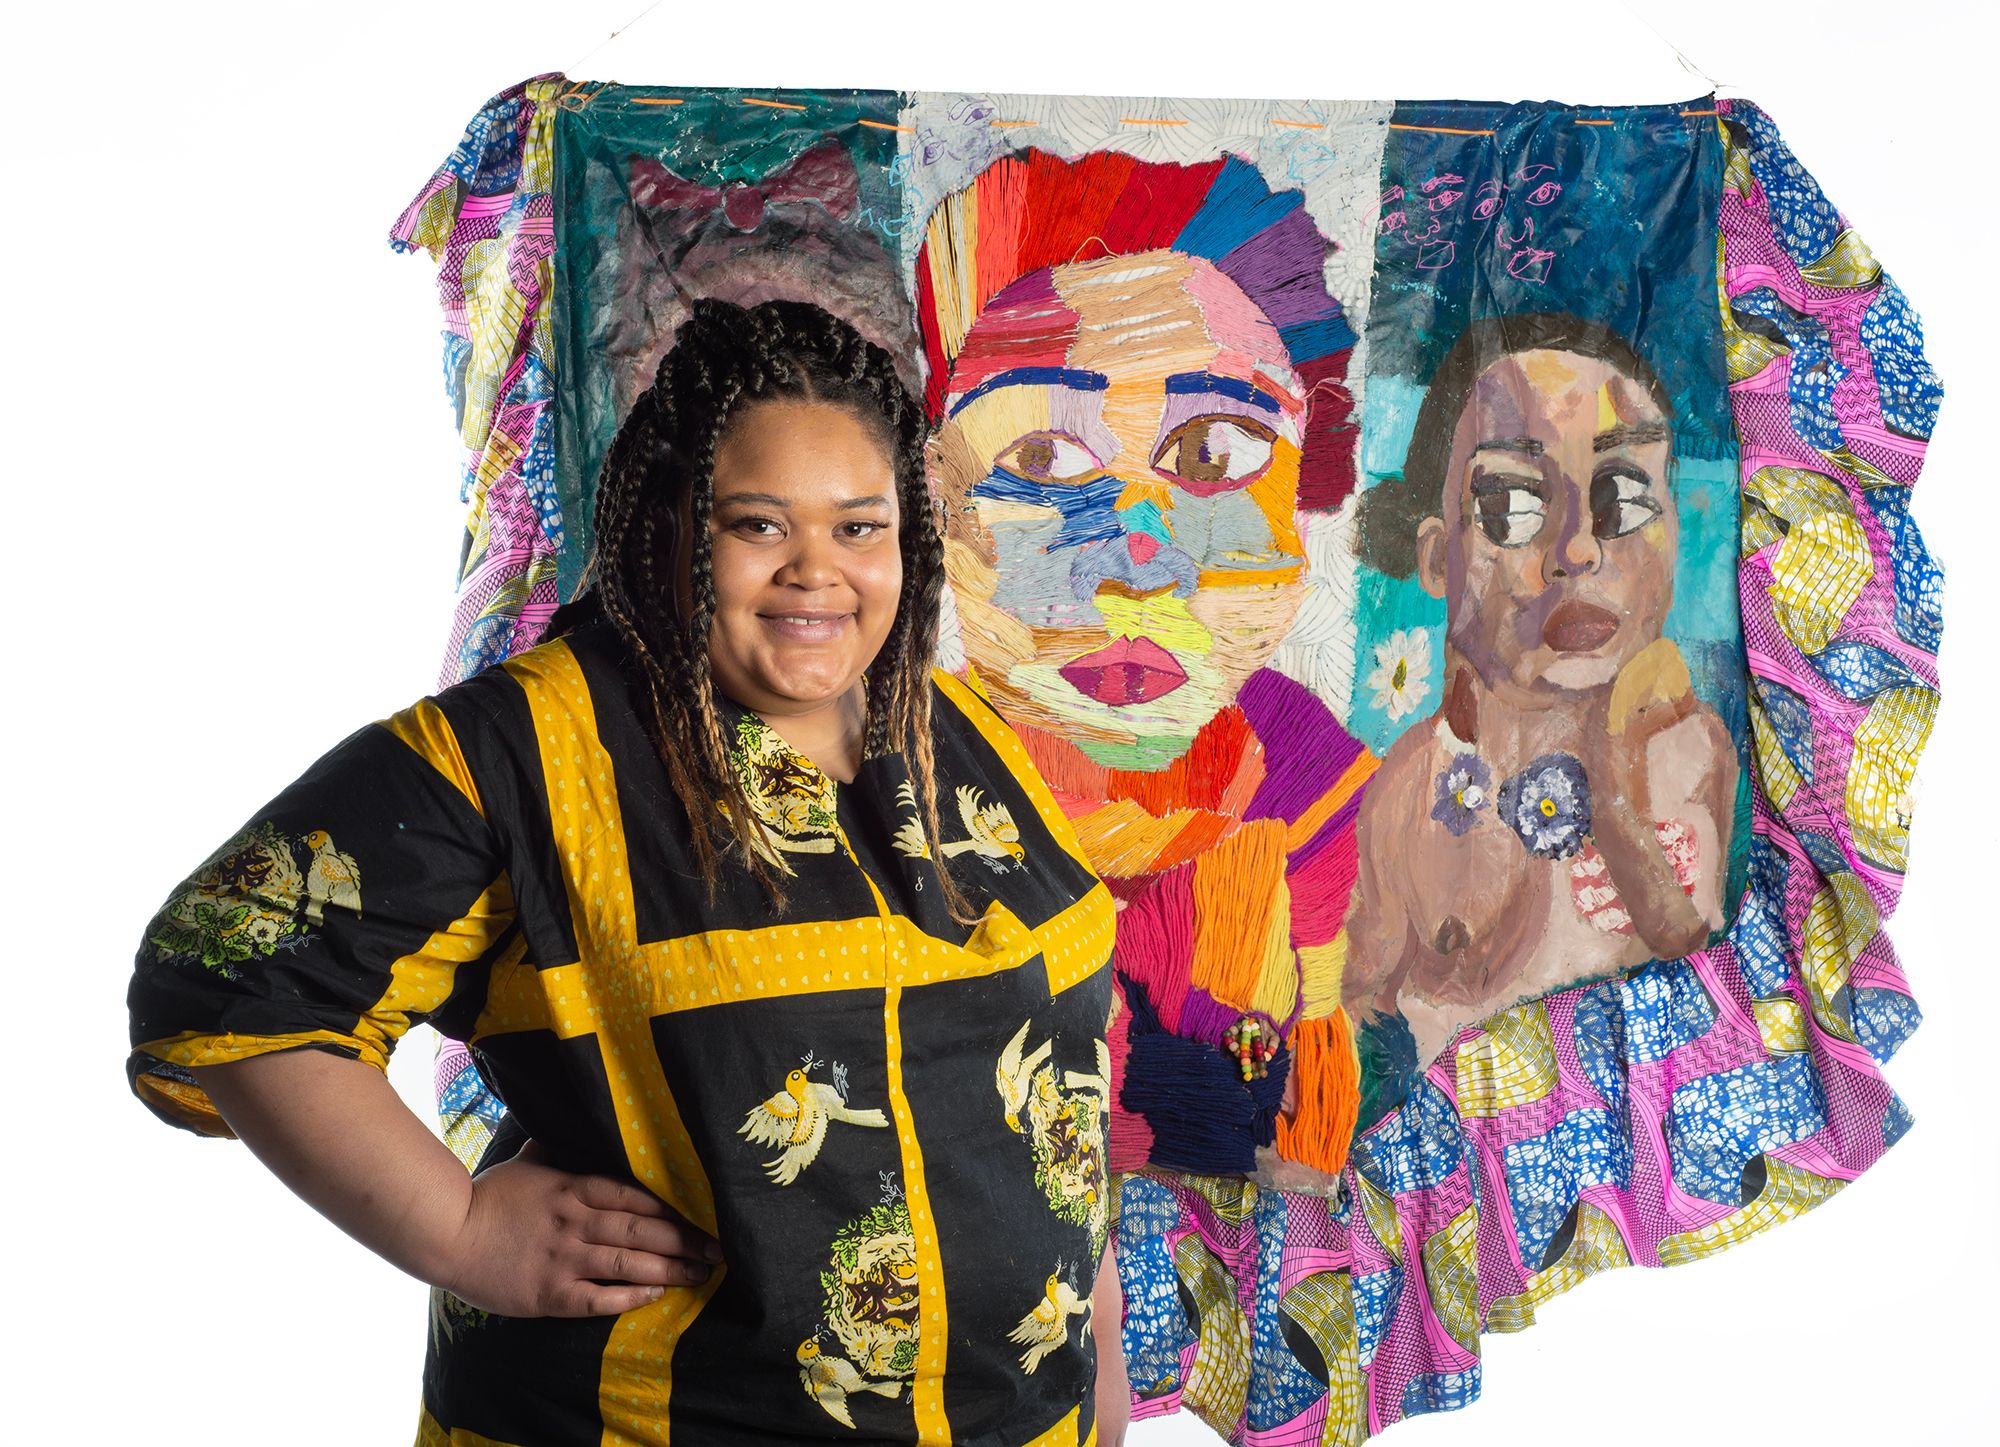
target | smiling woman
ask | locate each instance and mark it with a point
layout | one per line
(679, 878)
(807, 571)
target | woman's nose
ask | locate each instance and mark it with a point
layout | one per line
(1575, 550)
(810, 563)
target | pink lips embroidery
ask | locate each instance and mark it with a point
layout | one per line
(1125, 670)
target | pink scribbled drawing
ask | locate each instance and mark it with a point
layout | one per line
(1437, 255)
(1489, 196)
(1530, 264)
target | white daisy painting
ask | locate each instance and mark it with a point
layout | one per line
(1402, 675)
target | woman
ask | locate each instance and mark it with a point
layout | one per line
(1566, 813)
(681, 878)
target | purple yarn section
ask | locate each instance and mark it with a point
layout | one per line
(1205, 1018)
(1305, 748)
(1280, 269)
(1341, 823)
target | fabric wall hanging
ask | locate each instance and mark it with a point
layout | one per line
(1454, 563)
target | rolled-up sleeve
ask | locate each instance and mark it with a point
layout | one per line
(369, 896)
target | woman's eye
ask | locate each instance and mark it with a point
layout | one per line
(863, 528)
(1211, 453)
(1620, 503)
(756, 527)
(1510, 516)
(1050, 457)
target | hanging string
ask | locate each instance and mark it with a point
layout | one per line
(1686, 64)
(575, 68)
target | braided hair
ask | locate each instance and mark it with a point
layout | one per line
(654, 559)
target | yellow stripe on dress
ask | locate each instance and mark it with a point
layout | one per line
(428, 732)
(927, 1384)
(609, 993)
(1063, 1434)
(419, 983)
(432, 1433)
(1007, 745)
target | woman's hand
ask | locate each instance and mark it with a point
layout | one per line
(1652, 696)
(538, 1241)
(523, 1239)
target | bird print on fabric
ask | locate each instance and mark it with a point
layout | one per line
(995, 835)
(1015, 1074)
(795, 1120)
(331, 878)
(992, 836)
(1046, 1327)
(830, 1381)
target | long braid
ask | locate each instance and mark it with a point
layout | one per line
(654, 560)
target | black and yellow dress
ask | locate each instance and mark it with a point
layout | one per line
(894, 1125)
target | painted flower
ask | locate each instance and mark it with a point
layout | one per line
(1464, 787)
(1548, 805)
(1402, 671)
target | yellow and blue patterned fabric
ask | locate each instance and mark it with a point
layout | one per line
(895, 1125)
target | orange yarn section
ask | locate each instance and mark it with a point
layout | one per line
(1198, 779)
(1326, 1084)
(1150, 823)
(1234, 887)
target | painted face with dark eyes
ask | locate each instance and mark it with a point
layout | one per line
(1120, 468)
(1555, 548)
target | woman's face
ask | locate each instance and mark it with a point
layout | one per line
(808, 567)
(1119, 471)
(1555, 551)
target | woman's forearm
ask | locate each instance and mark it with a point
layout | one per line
(335, 1131)
(523, 1239)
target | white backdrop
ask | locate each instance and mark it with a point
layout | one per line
(234, 496)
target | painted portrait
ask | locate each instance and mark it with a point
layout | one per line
(1564, 813)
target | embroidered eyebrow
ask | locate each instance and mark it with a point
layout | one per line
(1070, 377)
(1637, 434)
(1526, 446)
(1183, 384)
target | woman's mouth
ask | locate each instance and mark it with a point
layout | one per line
(1125, 671)
(1577, 627)
(807, 627)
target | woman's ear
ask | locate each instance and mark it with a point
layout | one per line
(1431, 555)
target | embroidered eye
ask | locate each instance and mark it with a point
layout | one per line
(1544, 193)
(1050, 457)
(1621, 502)
(1208, 454)
(1511, 511)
